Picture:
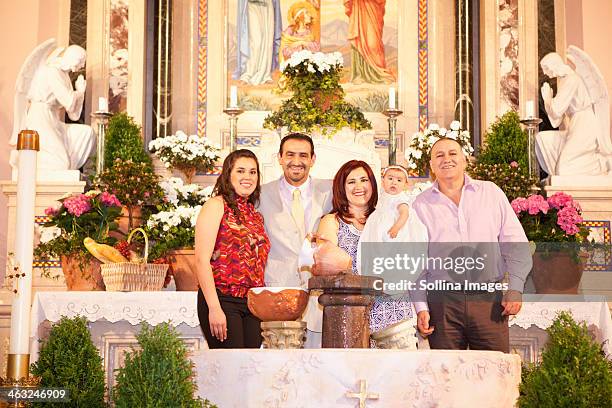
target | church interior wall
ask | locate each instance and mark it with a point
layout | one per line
(26, 24)
(587, 25)
(23, 26)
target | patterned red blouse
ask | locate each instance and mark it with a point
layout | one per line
(241, 250)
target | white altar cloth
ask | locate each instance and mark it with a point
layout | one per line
(133, 307)
(321, 378)
(181, 307)
(541, 310)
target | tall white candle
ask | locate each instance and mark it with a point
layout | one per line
(102, 104)
(391, 98)
(530, 109)
(24, 243)
(233, 96)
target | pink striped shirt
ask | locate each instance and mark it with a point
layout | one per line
(483, 215)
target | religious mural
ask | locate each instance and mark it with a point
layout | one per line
(264, 33)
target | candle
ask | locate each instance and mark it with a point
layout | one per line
(530, 109)
(391, 98)
(102, 104)
(24, 236)
(233, 96)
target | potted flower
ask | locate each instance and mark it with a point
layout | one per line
(172, 229)
(318, 101)
(187, 154)
(556, 227)
(79, 216)
(510, 177)
(418, 152)
(135, 185)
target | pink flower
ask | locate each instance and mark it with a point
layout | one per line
(513, 164)
(537, 203)
(147, 194)
(109, 200)
(519, 204)
(77, 205)
(560, 200)
(50, 211)
(568, 219)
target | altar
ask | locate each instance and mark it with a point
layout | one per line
(115, 317)
(330, 378)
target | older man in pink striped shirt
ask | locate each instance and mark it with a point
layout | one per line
(457, 209)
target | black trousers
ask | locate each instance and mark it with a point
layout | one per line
(464, 320)
(243, 329)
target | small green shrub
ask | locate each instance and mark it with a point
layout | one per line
(574, 372)
(124, 142)
(68, 359)
(505, 142)
(159, 374)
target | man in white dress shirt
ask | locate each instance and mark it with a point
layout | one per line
(292, 207)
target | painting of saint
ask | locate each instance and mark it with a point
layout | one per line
(258, 40)
(365, 34)
(300, 34)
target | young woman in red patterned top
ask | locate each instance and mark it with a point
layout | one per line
(231, 249)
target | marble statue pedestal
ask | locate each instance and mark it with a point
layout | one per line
(346, 302)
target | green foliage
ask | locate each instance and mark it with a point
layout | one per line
(503, 158)
(511, 178)
(505, 142)
(69, 359)
(135, 184)
(574, 372)
(317, 101)
(159, 374)
(124, 141)
(92, 214)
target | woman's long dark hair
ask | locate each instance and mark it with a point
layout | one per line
(340, 201)
(224, 187)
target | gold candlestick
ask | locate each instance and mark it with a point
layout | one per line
(392, 115)
(233, 113)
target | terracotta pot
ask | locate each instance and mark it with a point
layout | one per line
(87, 278)
(277, 303)
(557, 272)
(183, 265)
(124, 220)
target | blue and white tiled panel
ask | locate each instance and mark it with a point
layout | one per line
(601, 258)
(244, 140)
(39, 262)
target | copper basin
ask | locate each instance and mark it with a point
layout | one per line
(277, 303)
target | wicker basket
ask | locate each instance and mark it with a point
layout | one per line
(129, 276)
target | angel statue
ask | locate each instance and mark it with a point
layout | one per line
(584, 147)
(43, 93)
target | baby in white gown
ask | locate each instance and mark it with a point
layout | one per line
(393, 221)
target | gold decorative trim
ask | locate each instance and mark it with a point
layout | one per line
(28, 140)
(18, 366)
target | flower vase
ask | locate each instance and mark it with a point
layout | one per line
(189, 173)
(82, 277)
(125, 223)
(183, 265)
(557, 272)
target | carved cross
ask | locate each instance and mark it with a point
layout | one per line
(363, 395)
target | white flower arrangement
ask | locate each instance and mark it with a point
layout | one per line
(418, 153)
(315, 61)
(187, 153)
(173, 226)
